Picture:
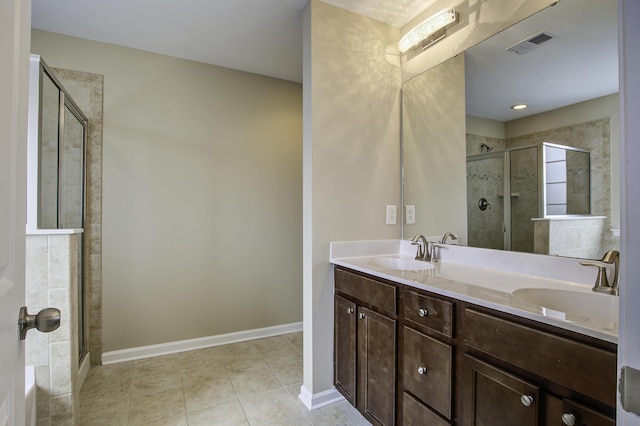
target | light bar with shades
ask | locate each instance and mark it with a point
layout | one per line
(427, 28)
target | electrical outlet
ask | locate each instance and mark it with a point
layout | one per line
(410, 214)
(392, 212)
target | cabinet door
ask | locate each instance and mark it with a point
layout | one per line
(344, 357)
(494, 397)
(376, 366)
(579, 415)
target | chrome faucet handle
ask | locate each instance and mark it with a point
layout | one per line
(602, 283)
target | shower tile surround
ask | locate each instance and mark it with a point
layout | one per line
(51, 280)
(86, 89)
(592, 135)
(52, 258)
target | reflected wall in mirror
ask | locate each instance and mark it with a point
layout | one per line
(570, 83)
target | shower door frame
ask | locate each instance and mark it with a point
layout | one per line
(506, 189)
(506, 170)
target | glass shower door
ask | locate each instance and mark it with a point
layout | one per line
(485, 201)
(72, 162)
(525, 176)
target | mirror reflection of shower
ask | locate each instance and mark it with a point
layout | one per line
(521, 185)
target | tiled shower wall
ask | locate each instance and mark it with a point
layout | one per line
(52, 281)
(86, 89)
(594, 136)
(581, 238)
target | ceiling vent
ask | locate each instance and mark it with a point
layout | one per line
(530, 43)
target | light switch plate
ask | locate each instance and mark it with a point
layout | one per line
(392, 213)
(410, 214)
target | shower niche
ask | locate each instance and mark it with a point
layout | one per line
(509, 191)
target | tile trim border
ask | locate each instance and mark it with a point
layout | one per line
(142, 352)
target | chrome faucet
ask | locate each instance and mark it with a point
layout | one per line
(447, 235)
(602, 285)
(423, 247)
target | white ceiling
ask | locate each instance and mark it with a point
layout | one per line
(581, 63)
(265, 37)
(259, 36)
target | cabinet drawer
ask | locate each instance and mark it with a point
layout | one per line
(427, 370)
(375, 293)
(414, 413)
(585, 369)
(428, 311)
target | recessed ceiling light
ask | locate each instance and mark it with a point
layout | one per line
(519, 106)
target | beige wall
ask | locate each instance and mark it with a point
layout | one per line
(202, 194)
(351, 158)
(434, 150)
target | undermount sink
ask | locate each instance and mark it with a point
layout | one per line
(571, 305)
(400, 263)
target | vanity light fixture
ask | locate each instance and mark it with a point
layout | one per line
(428, 31)
(519, 106)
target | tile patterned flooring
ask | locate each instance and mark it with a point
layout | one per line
(250, 383)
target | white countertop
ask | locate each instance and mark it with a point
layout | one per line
(488, 278)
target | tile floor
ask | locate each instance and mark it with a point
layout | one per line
(250, 383)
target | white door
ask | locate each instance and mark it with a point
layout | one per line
(15, 23)
(629, 338)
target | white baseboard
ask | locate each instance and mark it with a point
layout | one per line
(150, 351)
(319, 400)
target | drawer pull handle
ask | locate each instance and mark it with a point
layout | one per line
(423, 312)
(361, 315)
(568, 419)
(526, 400)
(422, 370)
(349, 310)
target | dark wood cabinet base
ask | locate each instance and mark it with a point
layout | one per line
(411, 357)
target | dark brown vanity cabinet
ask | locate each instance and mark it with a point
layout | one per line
(515, 373)
(454, 363)
(427, 357)
(365, 345)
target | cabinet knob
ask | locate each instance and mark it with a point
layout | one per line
(526, 400)
(423, 312)
(422, 370)
(361, 315)
(568, 419)
(349, 310)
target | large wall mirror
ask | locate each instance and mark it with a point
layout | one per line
(535, 180)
